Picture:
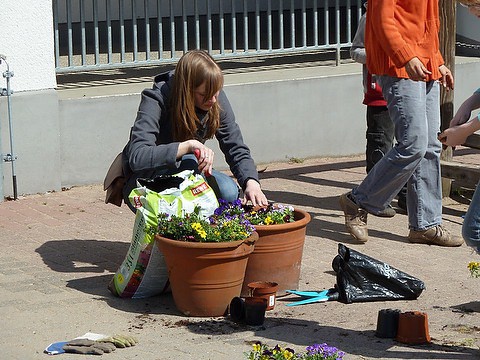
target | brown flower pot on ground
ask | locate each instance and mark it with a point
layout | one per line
(266, 290)
(413, 328)
(205, 277)
(277, 256)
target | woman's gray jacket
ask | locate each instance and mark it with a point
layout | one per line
(151, 144)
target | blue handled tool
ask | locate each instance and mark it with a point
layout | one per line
(313, 296)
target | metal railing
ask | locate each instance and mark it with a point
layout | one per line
(109, 34)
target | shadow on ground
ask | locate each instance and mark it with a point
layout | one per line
(287, 331)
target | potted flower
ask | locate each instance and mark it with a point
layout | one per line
(313, 352)
(278, 252)
(206, 259)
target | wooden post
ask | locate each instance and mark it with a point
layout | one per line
(447, 48)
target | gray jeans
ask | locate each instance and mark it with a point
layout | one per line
(414, 107)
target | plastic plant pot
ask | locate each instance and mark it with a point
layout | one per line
(255, 310)
(237, 309)
(387, 323)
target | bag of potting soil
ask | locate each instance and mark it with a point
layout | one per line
(143, 272)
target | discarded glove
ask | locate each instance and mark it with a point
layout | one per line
(88, 347)
(120, 341)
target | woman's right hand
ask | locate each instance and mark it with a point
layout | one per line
(204, 154)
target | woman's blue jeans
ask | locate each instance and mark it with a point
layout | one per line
(414, 107)
(223, 185)
(471, 223)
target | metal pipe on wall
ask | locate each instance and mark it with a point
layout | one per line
(11, 156)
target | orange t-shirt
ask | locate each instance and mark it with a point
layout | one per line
(399, 30)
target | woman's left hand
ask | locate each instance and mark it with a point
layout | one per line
(253, 193)
(447, 77)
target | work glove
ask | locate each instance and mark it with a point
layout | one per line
(120, 341)
(88, 347)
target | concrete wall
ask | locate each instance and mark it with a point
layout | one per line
(69, 137)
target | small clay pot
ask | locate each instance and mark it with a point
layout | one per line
(413, 328)
(387, 323)
(266, 290)
(237, 309)
(255, 310)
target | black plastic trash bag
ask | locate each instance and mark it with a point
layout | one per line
(361, 278)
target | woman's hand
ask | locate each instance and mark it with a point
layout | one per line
(204, 154)
(456, 135)
(416, 70)
(254, 194)
(447, 77)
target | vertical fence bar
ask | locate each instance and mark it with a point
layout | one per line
(109, 32)
(184, 26)
(209, 27)
(95, 27)
(257, 25)
(57, 48)
(337, 32)
(122, 30)
(292, 24)
(281, 25)
(70, 33)
(245, 26)
(327, 24)
(135, 30)
(234, 28)
(315, 23)
(304, 24)
(269, 25)
(82, 30)
(222, 27)
(172, 29)
(349, 22)
(160, 29)
(197, 26)
(147, 29)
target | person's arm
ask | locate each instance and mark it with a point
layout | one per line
(457, 135)
(357, 51)
(237, 154)
(465, 110)
(382, 17)
(151, 144)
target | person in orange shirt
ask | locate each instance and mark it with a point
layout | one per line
(401, 40)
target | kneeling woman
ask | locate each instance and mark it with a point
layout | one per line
(185, 108)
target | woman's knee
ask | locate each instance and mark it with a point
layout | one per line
(225, 187)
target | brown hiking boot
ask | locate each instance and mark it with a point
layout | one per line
(355, 218)
(436, 235)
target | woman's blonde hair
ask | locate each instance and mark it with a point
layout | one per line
(193, 69)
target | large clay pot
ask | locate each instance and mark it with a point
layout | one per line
(205, 277)
(277, 256)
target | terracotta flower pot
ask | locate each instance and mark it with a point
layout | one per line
(278, 252)
(205, 277)
(413, 328)
(266, 290)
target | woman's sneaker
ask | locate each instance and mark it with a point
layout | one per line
(436, 235)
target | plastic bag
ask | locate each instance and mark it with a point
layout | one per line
(361, 278)
(143, 272)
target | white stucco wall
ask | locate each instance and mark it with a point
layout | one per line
(26, 33)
